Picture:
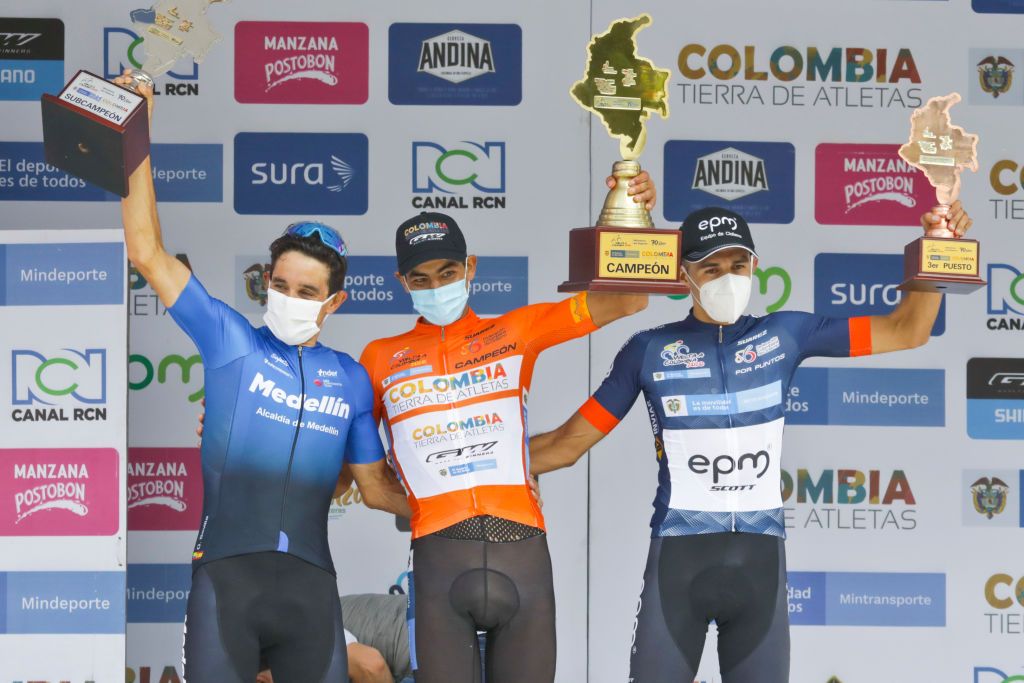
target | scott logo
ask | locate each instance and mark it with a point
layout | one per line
(465, 452)
(724, 465)
(49, 380)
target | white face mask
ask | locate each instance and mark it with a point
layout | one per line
(725, 298)
(292, 320)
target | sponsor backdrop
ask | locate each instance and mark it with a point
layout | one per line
(63, 454)
(362, 114)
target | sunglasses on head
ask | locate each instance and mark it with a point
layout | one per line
(326, 234)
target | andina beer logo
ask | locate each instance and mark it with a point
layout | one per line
(849, 499)
(456, 56)
(851, 77)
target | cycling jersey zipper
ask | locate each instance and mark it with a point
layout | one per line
(291, 456)
(451, 406)
(725, 390)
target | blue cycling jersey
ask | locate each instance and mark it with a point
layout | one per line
(715, 396)
(280, 421)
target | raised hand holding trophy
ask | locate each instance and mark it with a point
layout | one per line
(99, 131)
(940, 261)
(624, 252)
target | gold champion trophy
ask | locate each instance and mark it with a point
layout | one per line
(939, 261)
(624, 252)
(99, 131)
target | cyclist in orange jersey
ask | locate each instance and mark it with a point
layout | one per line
(452, 393)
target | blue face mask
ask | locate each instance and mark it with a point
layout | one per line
(441, 306)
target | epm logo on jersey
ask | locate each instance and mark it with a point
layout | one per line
(754, 179)
(301, 173)
(464, 175)
(455, 64)
(66, 385)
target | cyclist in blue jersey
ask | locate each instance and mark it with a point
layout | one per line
(714, 385)
(284, 413)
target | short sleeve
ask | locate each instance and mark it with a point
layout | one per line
(220, 333)
(363, 446)
(619, 390)
(819, 335)
(554, 323)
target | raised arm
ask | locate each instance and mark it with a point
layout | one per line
(910, 324)
(166, 274)
(563, 446)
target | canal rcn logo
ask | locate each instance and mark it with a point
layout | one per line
(65, 385)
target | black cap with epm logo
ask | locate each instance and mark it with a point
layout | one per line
(428, 236)
(712, 229)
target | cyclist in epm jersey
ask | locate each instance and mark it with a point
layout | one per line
(714, 385)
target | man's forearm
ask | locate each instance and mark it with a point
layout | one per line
(549, 452)
(139, 214)
(914, 318)
(607, 307)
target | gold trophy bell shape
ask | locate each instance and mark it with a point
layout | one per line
(624, 252)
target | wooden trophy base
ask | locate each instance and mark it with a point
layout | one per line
(627, 260)
(96, 131)
(943, 265)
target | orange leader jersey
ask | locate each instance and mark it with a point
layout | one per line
(453, 401)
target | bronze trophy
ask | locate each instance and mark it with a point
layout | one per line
(99, 131)
(940, 261)
(624, 252)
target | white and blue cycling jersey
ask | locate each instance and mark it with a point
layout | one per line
(280, 422)
(715, 396)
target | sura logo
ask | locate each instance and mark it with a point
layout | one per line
(865, 294)
(328, 405)
(53, 495)
(730, 174)
(314, 61)
(456, 56)
(303, 173)
(892, 181)
(157, 483)
(724, 465)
